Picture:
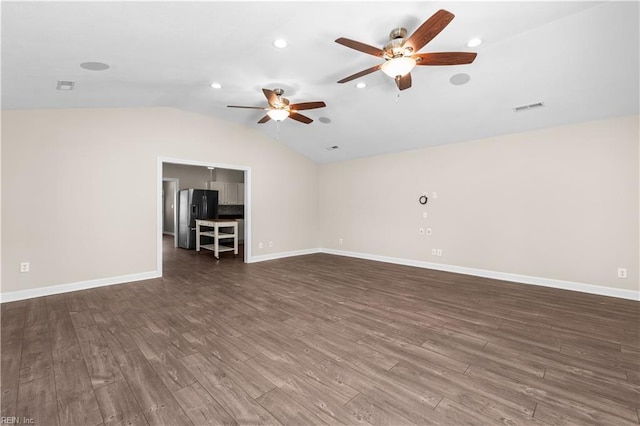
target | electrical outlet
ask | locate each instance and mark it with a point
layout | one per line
(421, 231)
(340, 241)
(260, 245)
(439, 252)
(434, 252)
(270, 243)
(24, 266)
(428, 231)
(622, 272)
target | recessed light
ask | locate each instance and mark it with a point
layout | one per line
(94, 66)
(474, 42)
(280, 43)
(325, 120)
(216, 85)
(361, 85)
(65, 85)
(211, 168)
(331, 148)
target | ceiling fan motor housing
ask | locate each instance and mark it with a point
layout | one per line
(394, 49)
(281, 103)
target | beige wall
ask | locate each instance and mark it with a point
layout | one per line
(79, 192)
(559, 203)
(79, 189)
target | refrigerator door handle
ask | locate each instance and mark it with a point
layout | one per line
(204, 207)
(194, 210)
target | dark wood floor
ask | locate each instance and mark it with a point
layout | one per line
(319, 339)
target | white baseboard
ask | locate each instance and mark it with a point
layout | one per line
(522, 279)
(282, 255)
(12, 296)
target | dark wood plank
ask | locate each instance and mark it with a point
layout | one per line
(36, 353)
(604, 387)
(484, 399)
(231, 397)
(102, 366)
(375, 412)
(114, 334)
(460, 414)
(201, 407)
(171, 371)
(337, 347)
(565, 398)
(62, 332)
(155, 400)
(77, 403)
(287, 410)
(118, 405)
(82, 319)
(36, 312)
(37, 401)
(318, 392)
(319, 339)
(13, 323)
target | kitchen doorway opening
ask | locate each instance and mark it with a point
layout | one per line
(233, 184)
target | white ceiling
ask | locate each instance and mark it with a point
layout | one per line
(580, 58)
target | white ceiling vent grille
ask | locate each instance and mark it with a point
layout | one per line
(65, 85)
(528, 107)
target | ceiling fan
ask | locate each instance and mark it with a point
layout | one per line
(400, 53)
(279, 108)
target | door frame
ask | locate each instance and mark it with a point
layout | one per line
(160, 207)
(175, 209)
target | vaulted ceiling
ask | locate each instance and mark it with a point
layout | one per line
(580, 59)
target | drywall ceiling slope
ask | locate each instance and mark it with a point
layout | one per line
(579, 58)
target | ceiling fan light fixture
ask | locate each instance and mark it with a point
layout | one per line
(398, 66)
(278, 114)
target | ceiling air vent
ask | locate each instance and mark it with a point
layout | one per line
(65, 85)
(527, 107)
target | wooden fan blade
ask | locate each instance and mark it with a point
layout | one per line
(307, 105)
(360, 47)
(429, 29)
(360, 74)
(445, 58)
(264, 119)
(249, 107)
(301, 118)
(271, 96)
(404, 82)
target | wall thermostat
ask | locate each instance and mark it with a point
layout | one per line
(423, 199)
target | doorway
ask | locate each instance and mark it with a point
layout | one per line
(199, 175)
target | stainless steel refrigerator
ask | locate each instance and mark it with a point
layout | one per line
(194, 204)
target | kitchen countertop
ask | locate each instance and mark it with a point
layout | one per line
(231, 216)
